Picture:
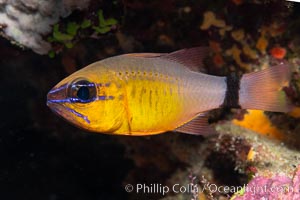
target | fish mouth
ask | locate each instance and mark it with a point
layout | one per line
(56, 97)
(59, 109)
(62, 111)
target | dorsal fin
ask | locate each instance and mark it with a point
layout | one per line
(145, 55)
(197, 126)
(191, 58)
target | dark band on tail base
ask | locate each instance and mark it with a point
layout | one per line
(232, 93)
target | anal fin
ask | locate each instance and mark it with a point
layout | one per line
(197, 126)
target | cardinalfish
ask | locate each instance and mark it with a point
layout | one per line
(151, 93)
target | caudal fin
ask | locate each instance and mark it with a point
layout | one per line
(262, 90)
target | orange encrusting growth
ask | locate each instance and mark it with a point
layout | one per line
(295, 112)
(262, 44)
(278, 52)
(257, 121)
(237, 2)
(251, 155)
(218, 60)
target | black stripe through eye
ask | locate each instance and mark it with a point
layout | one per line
(82, 91)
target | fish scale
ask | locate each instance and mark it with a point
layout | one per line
(150, 100)
(171, 109)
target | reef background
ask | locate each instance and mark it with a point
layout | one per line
(43, 157)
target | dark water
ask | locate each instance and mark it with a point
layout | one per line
(42, 157)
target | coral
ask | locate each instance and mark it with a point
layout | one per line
(67, 37)
(235, 52)
(211, 20)
(257, 121)
(262, 44)
(251, 155)
(295, 112)
(249, 52)
(237, 2)
(104, 24)
(238, 35)
(275, 29)
(218, 60)
(233, 159)
(26, 21)
(245, 42)
(278, 52)
(224, 30)
(269, 157)
(276, 187)
(215, 46)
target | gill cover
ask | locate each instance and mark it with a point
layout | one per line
(90, 99)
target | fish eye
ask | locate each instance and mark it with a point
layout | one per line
(82, 91)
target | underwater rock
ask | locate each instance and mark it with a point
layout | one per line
(269, 156)
(25, 22)
(278, 187)
(233, 159)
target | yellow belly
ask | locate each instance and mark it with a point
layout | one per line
(153, 106)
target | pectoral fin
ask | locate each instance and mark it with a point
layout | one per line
(197, 126)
